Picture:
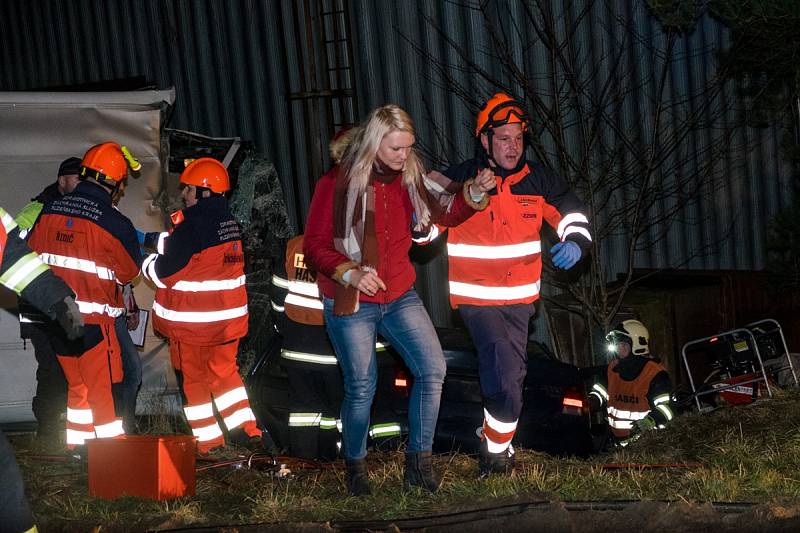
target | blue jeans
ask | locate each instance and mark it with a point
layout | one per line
(127, 391)
(406, 325)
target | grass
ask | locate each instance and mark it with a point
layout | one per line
(742, 454)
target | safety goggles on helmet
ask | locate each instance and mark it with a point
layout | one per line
(499, 110)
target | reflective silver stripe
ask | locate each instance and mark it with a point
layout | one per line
(483, 292)
(600, 390)
(568, 219)
(112, 429)
(381, 346)
(198, 317)
(160, 244)
(500, 427)
(276, 307)
(245, 414)
(578, 229)
(81, 265)
(229, 398)
(79, 416)
(627, 415)
(207, 433)
(210, 285)
(432, 234)
(302, 301)
(384, 430)
(149, 271)
(87, 308)
(309, 357)
(620, 424)
(8, 221)
(280, 282)
(78, 437)
(666, 411)
(199, 412)
(305, 288)
(305, 419)
(494, 252)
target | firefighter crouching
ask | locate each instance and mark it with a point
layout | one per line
(94, 248)
(636, 389)
(315, 382)
(201, 306)
(23, 272)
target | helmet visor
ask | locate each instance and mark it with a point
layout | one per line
(614, 339)
(506, 113)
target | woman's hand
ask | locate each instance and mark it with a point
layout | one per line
(483, 182)
(366, 281)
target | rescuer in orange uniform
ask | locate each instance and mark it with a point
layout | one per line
(495, 263)
(201, 305)
(636, 389)
(94, 248)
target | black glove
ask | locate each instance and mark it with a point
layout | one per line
(69, 317)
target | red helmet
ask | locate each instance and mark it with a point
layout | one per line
(207, 172)
(105, 162)
(500, 110)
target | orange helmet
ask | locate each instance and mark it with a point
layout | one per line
(499, 110)
(207, 172)
(104, 162)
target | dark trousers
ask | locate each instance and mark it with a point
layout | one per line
(500, 335)
(15, 514)
(314, 388)
(50, 401)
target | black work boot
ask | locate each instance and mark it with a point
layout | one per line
(357, 478)
(419, 472)
(495, 463)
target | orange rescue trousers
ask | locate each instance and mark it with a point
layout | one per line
(211, 379)
(90, 405)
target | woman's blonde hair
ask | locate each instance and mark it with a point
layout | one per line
(359, 157)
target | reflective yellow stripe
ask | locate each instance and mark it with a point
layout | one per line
(385, 430)
(280, 282)
(8, 221)
(306, 419)
(666, 411)
(26, 269)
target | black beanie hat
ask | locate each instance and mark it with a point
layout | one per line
(71, 165)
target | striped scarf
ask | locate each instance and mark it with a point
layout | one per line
(354, 221)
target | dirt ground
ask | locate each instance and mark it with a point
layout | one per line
(573, 517)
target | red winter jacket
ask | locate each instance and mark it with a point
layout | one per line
(393, 212)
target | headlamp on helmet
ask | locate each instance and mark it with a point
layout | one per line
(631, 332)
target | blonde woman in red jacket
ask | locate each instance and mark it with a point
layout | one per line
(357, 237)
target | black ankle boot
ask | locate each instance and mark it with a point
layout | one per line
(419, 472)
(357, 478)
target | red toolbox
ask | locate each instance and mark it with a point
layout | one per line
(147, 466)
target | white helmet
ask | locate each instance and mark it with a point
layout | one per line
(632, 332)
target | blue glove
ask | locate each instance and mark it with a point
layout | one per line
(566, 254)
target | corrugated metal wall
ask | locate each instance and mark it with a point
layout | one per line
(233, 63)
